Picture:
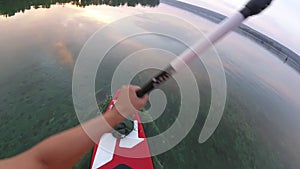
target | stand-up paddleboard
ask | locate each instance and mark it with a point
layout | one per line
(113, 153)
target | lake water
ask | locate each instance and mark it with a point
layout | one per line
(39, 47)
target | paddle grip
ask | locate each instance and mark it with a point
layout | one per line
(156, 81)
(254, 7)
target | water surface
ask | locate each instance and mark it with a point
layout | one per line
(260, 126)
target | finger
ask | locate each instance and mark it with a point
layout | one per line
(145, 97)
(135, 88)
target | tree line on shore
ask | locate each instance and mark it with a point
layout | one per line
(9, 8)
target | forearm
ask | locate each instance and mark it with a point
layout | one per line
(65, 149)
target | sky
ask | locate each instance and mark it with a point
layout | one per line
(280, 21)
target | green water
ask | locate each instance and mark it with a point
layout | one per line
(260, 126)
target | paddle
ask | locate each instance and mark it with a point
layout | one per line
(253, 7)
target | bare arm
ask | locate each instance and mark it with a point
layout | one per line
(63, 150)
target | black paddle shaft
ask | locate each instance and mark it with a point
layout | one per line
(253, 7)
(156, 81)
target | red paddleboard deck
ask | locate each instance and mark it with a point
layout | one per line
(124, 155)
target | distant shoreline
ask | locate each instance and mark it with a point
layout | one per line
(282, 52)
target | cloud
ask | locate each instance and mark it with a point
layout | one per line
(63, 55)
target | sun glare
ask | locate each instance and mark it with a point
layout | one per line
(103, 14)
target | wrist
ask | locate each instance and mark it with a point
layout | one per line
(113, 117)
